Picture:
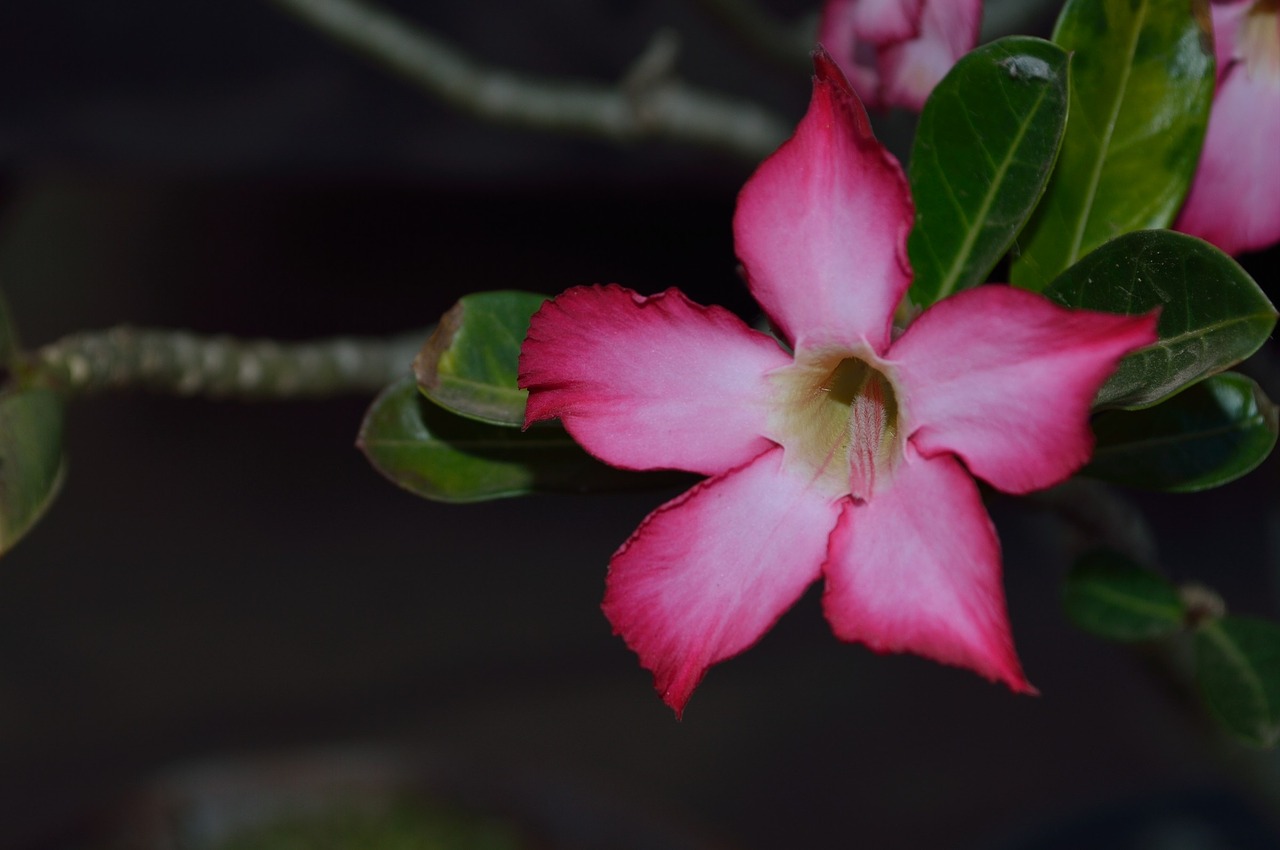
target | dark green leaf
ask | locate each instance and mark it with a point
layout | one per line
(469, 364)
(1142, 76)
(1108, 595)
(1212, 315)
(431, 452)
(983, 151)
(1205, 436)
(31, 460)
(1238, 669)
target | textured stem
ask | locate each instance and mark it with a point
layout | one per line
(643, 105)
(187, 364)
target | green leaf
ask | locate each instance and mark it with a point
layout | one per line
(431, 452)
(31, 460)
(1142, 76)
(469, 364)
(1205, 436)
(1213, 315)
(1110, 596)
(983, 152)
(1238, 670)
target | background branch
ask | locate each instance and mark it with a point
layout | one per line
(645, 106)
(187, 364)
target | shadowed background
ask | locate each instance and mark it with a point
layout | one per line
(219, 579)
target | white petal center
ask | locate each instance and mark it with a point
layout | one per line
(838, 417)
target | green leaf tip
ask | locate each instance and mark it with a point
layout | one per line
(470, 363)
(441, 456)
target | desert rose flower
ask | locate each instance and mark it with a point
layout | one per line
(1234, 200)
(844, 454)
(895, 51)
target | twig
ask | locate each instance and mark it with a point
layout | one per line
(187, 364)
(662, 108)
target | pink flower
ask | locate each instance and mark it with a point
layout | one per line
(844, 457)
(895, 51)
(1234, 200)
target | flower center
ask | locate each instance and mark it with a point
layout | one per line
(836, 416)
(1258, 40)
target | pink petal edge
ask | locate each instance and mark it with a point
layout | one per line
(1005, 379)
(821, 227)
(917, 569)
(650, 382)
(705, 575)
(1234, 201)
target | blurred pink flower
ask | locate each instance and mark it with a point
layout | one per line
(895, 51)
(842, 457)
(1234, 200)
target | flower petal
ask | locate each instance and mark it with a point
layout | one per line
(838, 34)
(1234, 200)
(917, 569)
(821, 227)
(1005, 379)
(650, 383)
(708, 573)
(910, 69)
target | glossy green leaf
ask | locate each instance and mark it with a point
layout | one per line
(469, 364)
(1142, 76)
(31, 460)
(1110, 596)
(434, 453)
(1205, 436)
(1238, 670)
(1213, 315)
(983, 152)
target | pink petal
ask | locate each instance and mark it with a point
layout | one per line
(838, 34)
(917, 569)
(910, 69)
(708, 573)
(1234, 200)
(650, 383)
(1005, 379)
(882, 21)
(821, 227)
(1227, 15)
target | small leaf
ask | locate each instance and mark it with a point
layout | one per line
(470, 363)
(983, 152)
(431, 452)
(1205, 436)
(1238, 670)
(31, 460)
(1110, 596)
(1213, 315)
(1142, 76)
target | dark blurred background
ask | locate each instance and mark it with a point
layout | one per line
(232, 579)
